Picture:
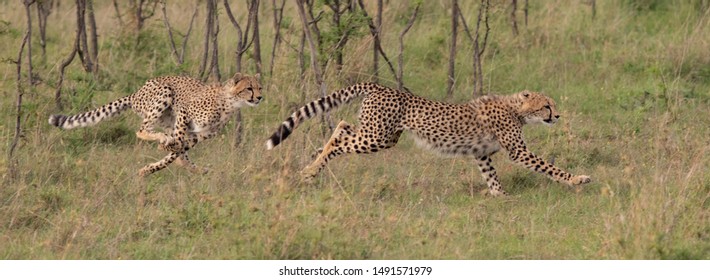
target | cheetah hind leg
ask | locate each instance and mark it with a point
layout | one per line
(160, 114)
(345, 140)
(331, 149)
(489, 174)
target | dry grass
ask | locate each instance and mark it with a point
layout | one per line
(633, 87)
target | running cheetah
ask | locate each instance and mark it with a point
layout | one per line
(478, 128)
(186, 109)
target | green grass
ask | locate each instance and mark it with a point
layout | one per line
(633, 87)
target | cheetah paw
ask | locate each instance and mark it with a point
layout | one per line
(580, 179)
(307, 175)
(200, 170)
(495, 193)
(145, 171)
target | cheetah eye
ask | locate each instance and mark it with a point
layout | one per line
(250, 89)
(547, 107)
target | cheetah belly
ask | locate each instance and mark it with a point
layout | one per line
(478, 147)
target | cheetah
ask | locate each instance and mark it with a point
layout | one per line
(478, 128)
(188, 111)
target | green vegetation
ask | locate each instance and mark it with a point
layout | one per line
(632, 85)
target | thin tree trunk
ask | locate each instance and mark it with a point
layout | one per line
(400, 73)
(278, 17)
(374, 32)
(479, 48)
(179, 57)
(75, 50)
(302, 63)
(343, 31)
(170, 33)
(452, 50)
(214, 69)
(208, 35)
(314, 59)
(84, 53)
(376, 44)
(254, 7)
(26, 41)
(465, 25)
(28, 13)
(118, 13)
(94, 51)
(525, 9)
(302, 55)
(243, 45)
(139, 12)
(44, 9)
(514, 21)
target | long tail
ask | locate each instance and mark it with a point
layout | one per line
(317, 107)
(91, 117)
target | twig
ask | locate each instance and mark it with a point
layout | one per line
(452, 48)
(26, 41)
(118, 13)
(465, 25)
(314, 60)
(375, 33)
(400, 83)
(278, 17)
(514, 21)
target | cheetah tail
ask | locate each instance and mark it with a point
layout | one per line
(91, 117)
(315, 108)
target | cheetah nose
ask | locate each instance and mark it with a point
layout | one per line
(258, 98)
(557, 116)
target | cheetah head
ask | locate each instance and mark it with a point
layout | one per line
(245, 88)
(537, 108)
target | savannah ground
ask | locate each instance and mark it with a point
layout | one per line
(632, 85)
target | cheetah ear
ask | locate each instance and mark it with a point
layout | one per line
(237, 76)
(257, 76)
(526, 93)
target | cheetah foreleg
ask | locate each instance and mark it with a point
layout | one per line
(152, 168)
(537, 164)
(518, 152)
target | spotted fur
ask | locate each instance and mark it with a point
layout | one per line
(187, 110)
(478, 128)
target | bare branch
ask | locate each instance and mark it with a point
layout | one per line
(94, 51)
(452, 50)
(375, 33)
(478, 48)
(118, 13)
(514, 21)
(465, 25)
(44, 9)
(26, 41)
(206, 44)
(278, 17)
(314, 54)
(525, 10)
(170, 33)
(400, 82)
(256, 54)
